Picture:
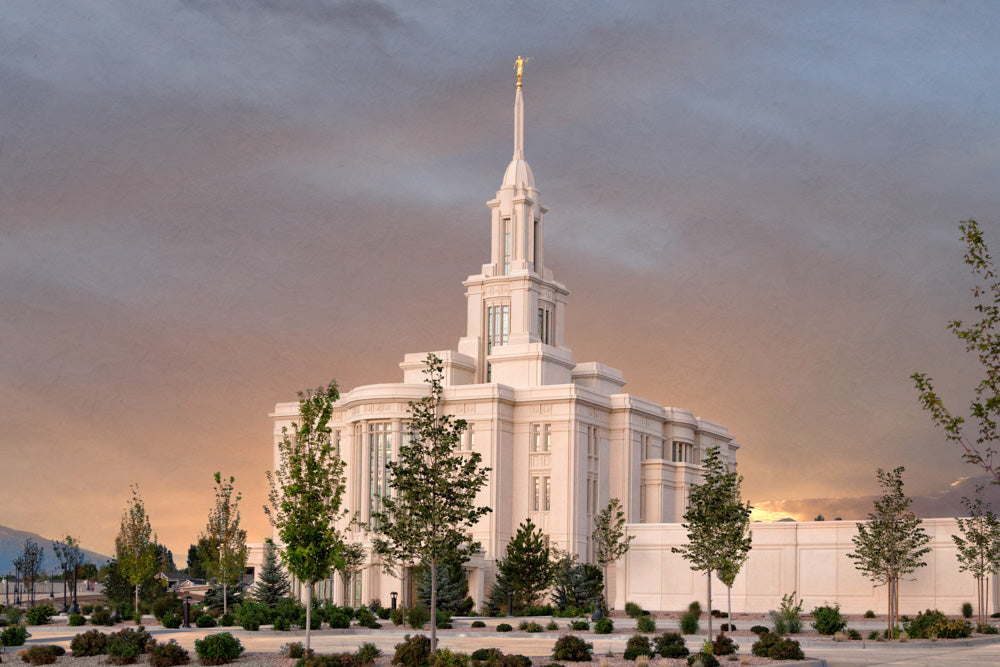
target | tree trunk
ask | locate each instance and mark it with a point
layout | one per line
(709, 605)
(225, 605)
(729, 604)
(434, 603)
(309, 604)
(889, 610)
(137, 598)
(604, 601)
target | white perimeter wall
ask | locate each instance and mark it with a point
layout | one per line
(809, 558)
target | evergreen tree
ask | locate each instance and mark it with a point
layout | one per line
(273, 585)
(610, 541)
(306, 494)
(431, 509)
(135, 550)
(979, 546)
(527, 568)
(890, 544)
(452, 589)
(983, 338)
(197, 554)
(227, 553)
(578, 585)
(717, 522)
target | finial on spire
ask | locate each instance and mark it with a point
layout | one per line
(520, 68)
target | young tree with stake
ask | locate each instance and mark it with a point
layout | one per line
(306, 494)
(979, 547)
(135, 550)
(227, 541)
(610, 541)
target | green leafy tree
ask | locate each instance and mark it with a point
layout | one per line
(227, 541)
(354, 557)
(610, 541)
(891, 543)
(29, 564)
(306, 494)
(717, 523)
(527, 568)
(981, 337)
(70, 558)
(979, 546)
(272, 585)
(135, 551)
(432, 507)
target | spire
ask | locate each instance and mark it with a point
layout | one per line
(519, 112)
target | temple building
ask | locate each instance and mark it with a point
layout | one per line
(561, 437)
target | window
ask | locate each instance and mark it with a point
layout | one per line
(547, 438)
(497, 326)
(547, 497)
(545, 323)
(506, 246)
(541, 493)
(536, 437)
(336, 442)
(541, 438)
(472, 437)
(682, 452)
(536, 492)
(651, 448)
(379, 454)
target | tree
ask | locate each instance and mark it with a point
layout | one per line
(890, 544)
(527, 568)
(307, 490)
(452, 589)
(135, 551)
(354, 558)
(227, 541)
(70, 558)
(272, 586)
(29, 564)
(717, 524)
(610, 541)
(196, 557)
(983, 338)
(577, 585)
(979, 546)
(165, 559)
(820, 517)
(432, 506)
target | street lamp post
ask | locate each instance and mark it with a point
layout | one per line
(187, 611)
(393, 595)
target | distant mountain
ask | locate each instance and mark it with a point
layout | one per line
(12, 543)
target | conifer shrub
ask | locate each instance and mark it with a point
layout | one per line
(634, 610)
(605, 626)
(645, 624)
(367, 619)
(966, 610)
(121, 651)
(478, 624)
(671, 645)
(580, 626)
(870, 614)
(40, 614)
(76, 620)
(417, 617)
(759, 629)
(168, 655)
(338, 618)
(504, 627)
(572, 649)
(689, 623)
(218, 649)
(637, 645)
(102, 616)
(205, 621)
(282, 624)
(413, 651)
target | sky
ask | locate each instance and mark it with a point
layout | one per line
(206, 206)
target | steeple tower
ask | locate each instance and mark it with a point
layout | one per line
(515, 308)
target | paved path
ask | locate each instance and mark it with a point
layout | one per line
(984, 651)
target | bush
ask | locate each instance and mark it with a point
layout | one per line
(870, 614)
(552, 626)
(689, 623)
(486, 654)
(282, 624)
(572, 649)
(759, 630)
(951, 629)
(417, 617)
(728, 627)
(168, 655)
(695, 608)
(338, 618)
(580, 626)
(383, 613)
(40, 615)
(634, 610)
(478, 624)
(205, 621)
(873, 635)
(398, 616)
(76, 620)
(413, 651)
(102, 616)
(645, 624)
(366, 619)
(637, 645)
(329, 660)
(504, 627)
(121, 651)
(87, 608)
(446, 658)
(771, 645)
(724, 645)
(605, 626)
(294, 650)
(671, 645)
(137, 638)
(987, 629)
(828, 619)
(920, 627)
(227, 621)
(367, 653)
(966, 610)
(171, 620)
(218, 649)
(789, 619)
(14, 635)
(529, 626)
(91, 642)
(703, 659)
(42, 654)
(853, 634)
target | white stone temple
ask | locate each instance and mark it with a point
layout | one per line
(561, 437)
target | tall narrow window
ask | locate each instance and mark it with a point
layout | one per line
(379, 454)
(548, 494)
(336, 442)
(497, 326)
(536, 491)
(536, 437)
(547, 438)
(545, 323)
(506, 246)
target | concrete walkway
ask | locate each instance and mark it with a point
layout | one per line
(979, 651)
